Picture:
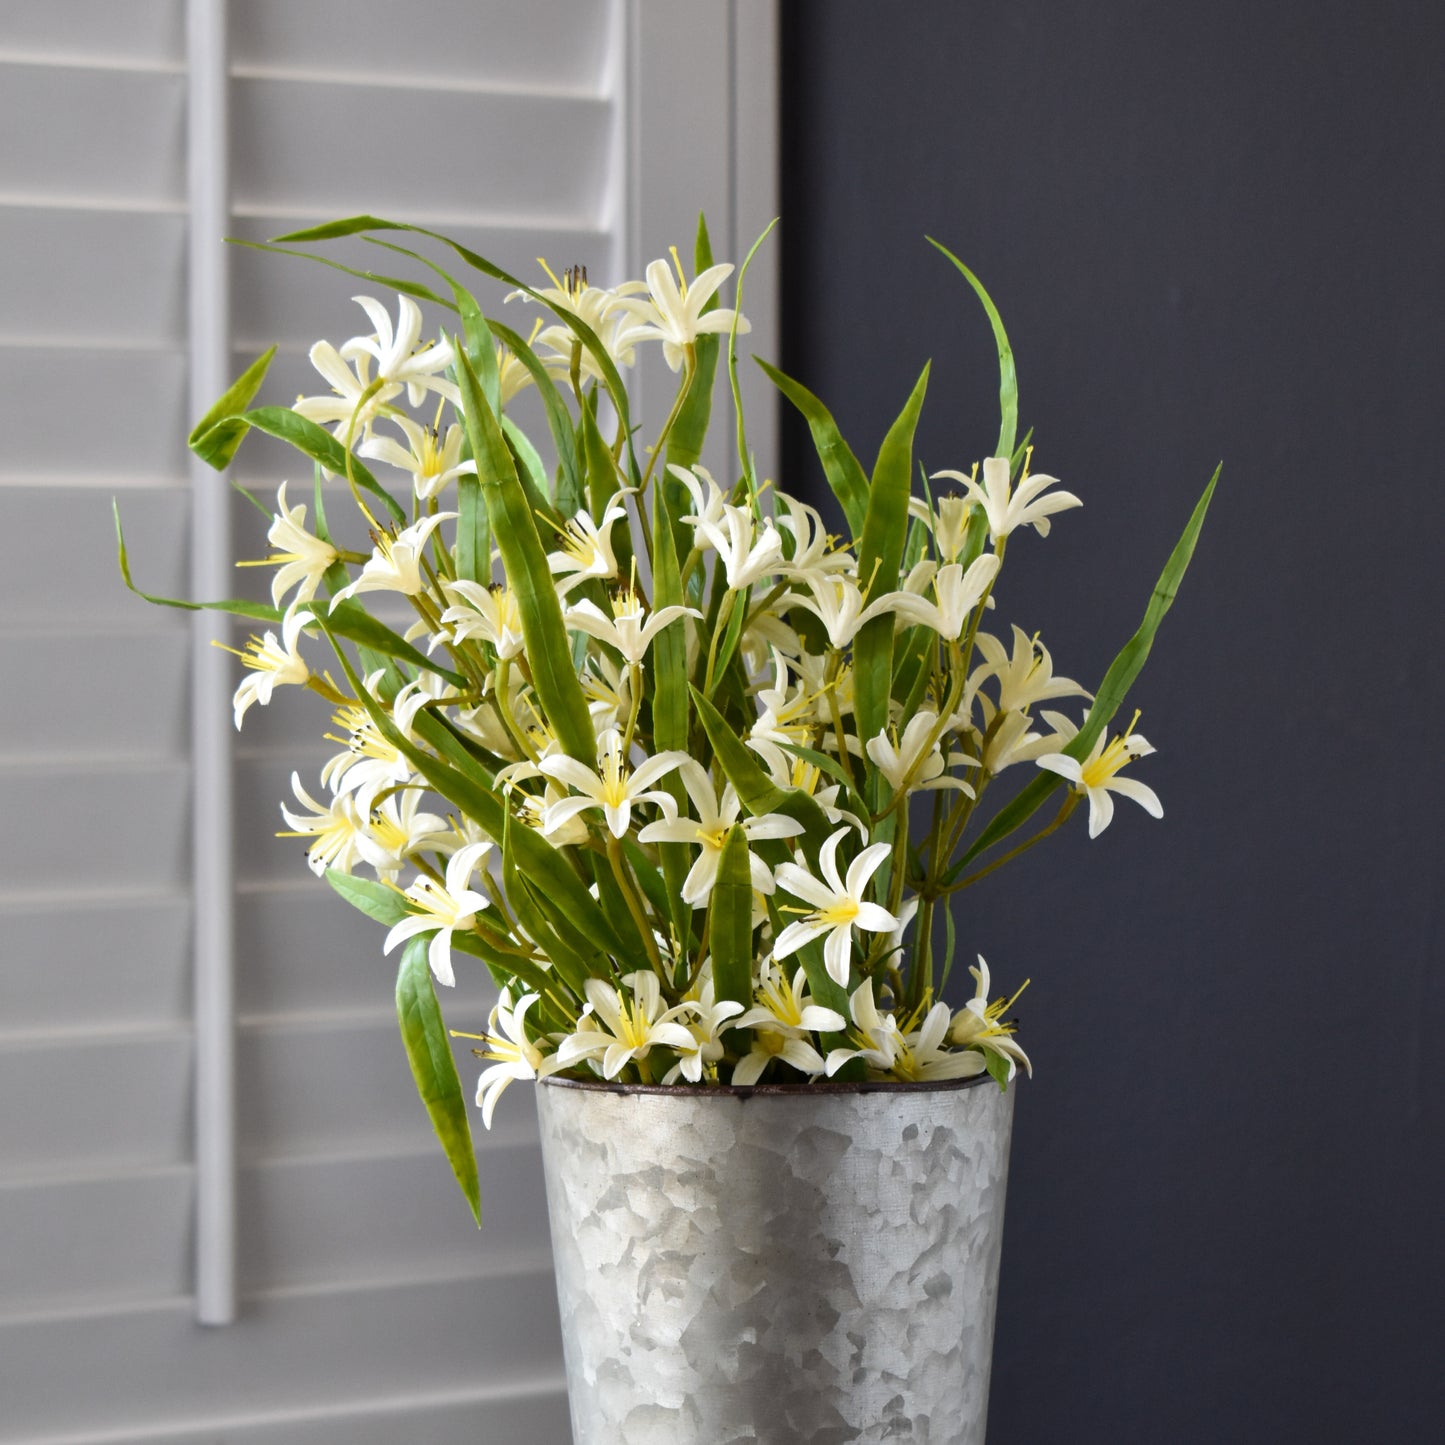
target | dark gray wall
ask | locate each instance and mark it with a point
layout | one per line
(1213, 231)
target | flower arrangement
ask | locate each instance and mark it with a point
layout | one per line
(694, 779)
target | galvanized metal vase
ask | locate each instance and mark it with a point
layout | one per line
(782, 1265)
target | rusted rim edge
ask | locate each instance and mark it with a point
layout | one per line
(748, 1091)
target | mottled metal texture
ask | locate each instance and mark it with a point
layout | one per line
(791, 1267)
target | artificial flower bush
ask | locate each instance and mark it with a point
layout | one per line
(692, 777)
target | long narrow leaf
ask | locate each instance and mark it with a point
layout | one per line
(429, 1051)
(545, 634)
(844, 472)
(1111, 692)
(880, 556)
(731, 925)
(236, 398)
(376, 900)
(755, 789)
(1008, 382)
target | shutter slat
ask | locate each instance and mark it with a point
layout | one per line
(121, 692)
(82, 131)
(138, 32)
(94, 414)
(56, 1259)
(358, 1345)
(556, 42)
(110, 276)
(351, 149)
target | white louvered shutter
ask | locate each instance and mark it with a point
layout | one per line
(371, 1308)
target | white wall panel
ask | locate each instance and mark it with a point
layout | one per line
(86, 593)
(389, 1218)
(94, 962)
(149, 1370)
(116, 136)
(108, 415)
(450, 155)
(547, 44)
(114, 692)
(124, 822)
(98, 1240)
(138, 32)
(72, 1104)
(70, 275)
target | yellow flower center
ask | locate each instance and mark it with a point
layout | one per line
(838, 914)
(1119, 752)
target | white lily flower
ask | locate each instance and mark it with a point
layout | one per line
(1096, 776)
(957, 592)
(917, 1055)
(710, 829)
(708, 499)
(395, 832)
(443, 908)
(344, 409)
(811, 543)
(838, 905)
(626, 1029)
(395, 562)
(431, 459)
(625, 629)
(948, 523)
(746, 551)
(400, 358)
(782, 1019)
(611, 788)
(1007, 509)
(913, 763)
(302, 558)
(491, 613)
(337, 828)
(709, 1017)
(412, 697)
(273, 664)
(608, 690)
(1026, 676)
(672, 312)
(976, 1025)
(787, 713)
(838, 604)
(586, 548)
(370, 764)
(513, 1054)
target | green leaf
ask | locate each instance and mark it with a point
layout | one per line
(237, 607)
(403, 284)
(745, 459)
(840, 466)
(1111, 692)
(1008, 382)
(559, 419)
(523, 556)
(348, 226)
(374, 899)
(236, 398)
(429, 1051)
(731, 925)
(349, 619)
(880, 556)
(689, 431)
(538, 859)
(572, 967)
(755, 789)
(950, 945)
(218, 445)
